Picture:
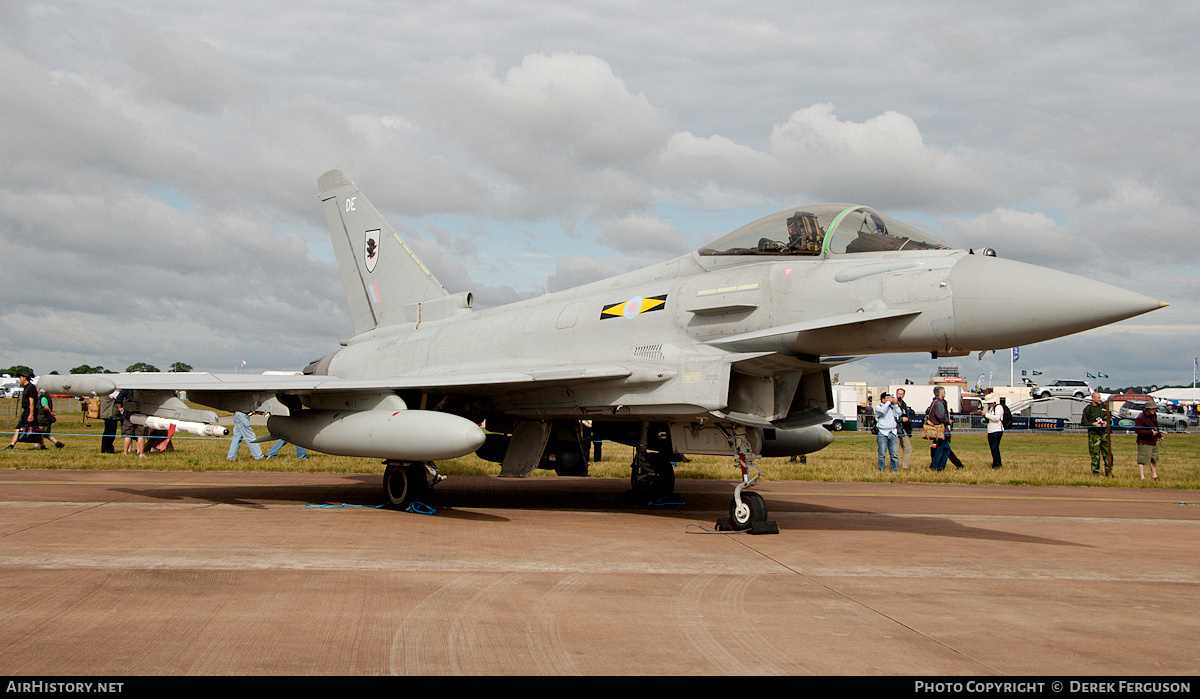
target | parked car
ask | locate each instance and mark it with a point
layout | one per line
(1078, 389)
(835, 423)
(1169, 417)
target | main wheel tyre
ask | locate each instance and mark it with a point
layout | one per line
(570, 462)
(653, 476)
(753, 509)
(664, 475)
(404, 483)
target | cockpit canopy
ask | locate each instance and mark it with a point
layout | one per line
(825, 228)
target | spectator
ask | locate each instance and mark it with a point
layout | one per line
(46, 418)
(938, 417)
(242, 432)
(112, 419)
(129, 430)
(887, 420)
(1097, 417)
(1148, 437)
(301, 453)
(905, 431)
(994, 415)
(29, 400)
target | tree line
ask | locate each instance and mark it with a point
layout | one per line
(89, 369)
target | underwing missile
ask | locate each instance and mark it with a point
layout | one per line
(197, 428)
(403, 435)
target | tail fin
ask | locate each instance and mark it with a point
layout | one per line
(380, 274)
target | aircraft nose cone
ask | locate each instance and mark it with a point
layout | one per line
(1003, 303)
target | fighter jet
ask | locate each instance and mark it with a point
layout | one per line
(726, 350)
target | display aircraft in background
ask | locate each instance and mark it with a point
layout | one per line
(726, 350)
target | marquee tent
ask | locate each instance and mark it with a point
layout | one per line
(1179, 395)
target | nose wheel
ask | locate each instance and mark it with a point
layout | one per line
(747, 510)
(752, 508)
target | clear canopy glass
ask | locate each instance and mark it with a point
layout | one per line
(824, 228)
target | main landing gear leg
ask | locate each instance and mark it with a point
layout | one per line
(747, 510)
(653, 474)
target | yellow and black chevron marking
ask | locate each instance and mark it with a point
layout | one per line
(633, 307)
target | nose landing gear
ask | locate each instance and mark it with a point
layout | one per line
(747, 510)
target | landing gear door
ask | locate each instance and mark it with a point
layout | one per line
(525, 448)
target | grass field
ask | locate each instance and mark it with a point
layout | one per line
(1053, 458)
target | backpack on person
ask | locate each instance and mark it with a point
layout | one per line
(46, 406)
(1007, 419)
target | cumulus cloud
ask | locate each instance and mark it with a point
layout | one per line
(1141, 223)
(1031, 237)
(571, 272)
(641, 234)
(185, 71)
(127, 275)
(1113, 237)
(692, 168)
(816, 157)
(884, 157)
(561, 132)
(450, 270)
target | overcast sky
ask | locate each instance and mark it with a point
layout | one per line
(159, 160)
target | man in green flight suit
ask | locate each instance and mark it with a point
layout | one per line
(1096, 417)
